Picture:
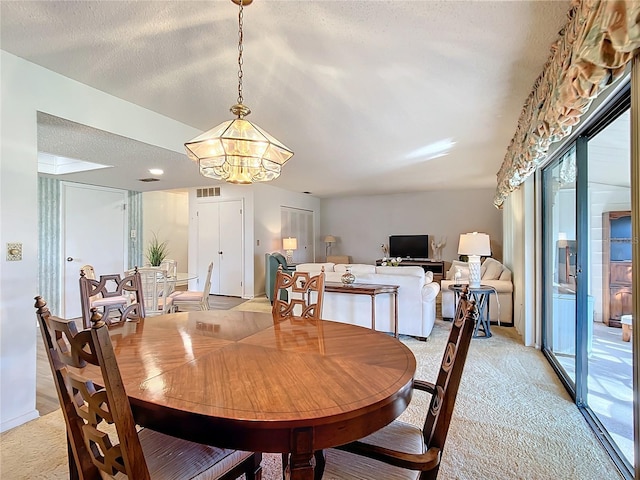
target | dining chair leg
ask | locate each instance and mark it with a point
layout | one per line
(320, 463)
(253, 469)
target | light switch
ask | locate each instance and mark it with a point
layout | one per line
(14, 252)
(133, 234)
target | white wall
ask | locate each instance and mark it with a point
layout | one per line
(166, 213)
(26, 89)
(361, 224)
(267, 224)
(520, 256)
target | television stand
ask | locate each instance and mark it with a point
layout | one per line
(435, 266)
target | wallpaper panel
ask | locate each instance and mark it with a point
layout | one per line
(49, 272)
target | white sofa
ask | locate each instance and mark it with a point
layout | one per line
(416, 297)
(492, 273)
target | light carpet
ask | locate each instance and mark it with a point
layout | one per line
(513, 420)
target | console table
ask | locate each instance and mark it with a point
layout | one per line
(372, 290)
(435, 266)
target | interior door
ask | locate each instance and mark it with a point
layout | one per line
(230, 256)
(298, 223)
(208, 244)
(220, 238)
(94, 225)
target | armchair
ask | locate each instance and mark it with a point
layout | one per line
(272, 262)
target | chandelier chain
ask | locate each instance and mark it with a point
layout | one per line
(240, 39)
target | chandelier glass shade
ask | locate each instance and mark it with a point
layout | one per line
(238, 151)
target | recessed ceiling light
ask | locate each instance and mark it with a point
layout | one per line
(156, 171)
(55, 165)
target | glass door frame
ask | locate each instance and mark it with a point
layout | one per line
(578, 390)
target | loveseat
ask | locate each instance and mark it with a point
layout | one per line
(416, 297)
(492, 273)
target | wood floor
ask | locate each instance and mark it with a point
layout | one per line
(46, 396)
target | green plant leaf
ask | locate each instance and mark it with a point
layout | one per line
(157, 251)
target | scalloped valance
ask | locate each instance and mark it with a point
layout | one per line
(598, 40)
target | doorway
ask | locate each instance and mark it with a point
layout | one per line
(94, 226)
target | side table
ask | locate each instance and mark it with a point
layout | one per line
(481, 295)
(371, 290)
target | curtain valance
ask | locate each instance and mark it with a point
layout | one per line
(598, 40)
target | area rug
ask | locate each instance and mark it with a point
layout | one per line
(513, 420)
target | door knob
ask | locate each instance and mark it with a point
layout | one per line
(69, 259)
(220, 253)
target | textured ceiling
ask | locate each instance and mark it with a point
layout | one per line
(361, 91)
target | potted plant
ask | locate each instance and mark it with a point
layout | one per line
(157, 251)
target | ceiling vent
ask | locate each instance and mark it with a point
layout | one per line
(148, 179)
(208, 192)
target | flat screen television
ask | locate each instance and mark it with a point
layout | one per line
(409, 246)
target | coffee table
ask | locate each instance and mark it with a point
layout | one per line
(371, 290)
(236, 380)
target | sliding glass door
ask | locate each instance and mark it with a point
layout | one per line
(559, 262)
(586, 268)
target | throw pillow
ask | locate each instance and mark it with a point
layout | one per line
(464, 270)
(492, 269)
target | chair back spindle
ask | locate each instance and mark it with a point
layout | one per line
(111, 293)
(305, 295)
(436, 426)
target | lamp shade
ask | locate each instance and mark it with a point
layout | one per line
(290, 243)
(237, 151)
(474, 244)
(329, 239)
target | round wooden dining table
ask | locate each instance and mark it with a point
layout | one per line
(242, 380)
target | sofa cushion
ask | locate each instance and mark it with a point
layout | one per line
(412, 271)
(314, 267)
(492, 269)
(356, 268)
(464, 270)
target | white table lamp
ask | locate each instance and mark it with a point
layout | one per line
(474, 245)
(328, 240)
(290, 244)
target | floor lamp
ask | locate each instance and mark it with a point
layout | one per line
(328, 240)
(474, 245)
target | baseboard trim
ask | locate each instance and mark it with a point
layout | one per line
(16, 422)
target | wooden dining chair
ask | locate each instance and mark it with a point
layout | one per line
(192, 298)
(304, 297)
(111, 293)
(400, 450)
(95, 450)
(305, 293)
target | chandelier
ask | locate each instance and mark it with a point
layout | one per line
(238, 151)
